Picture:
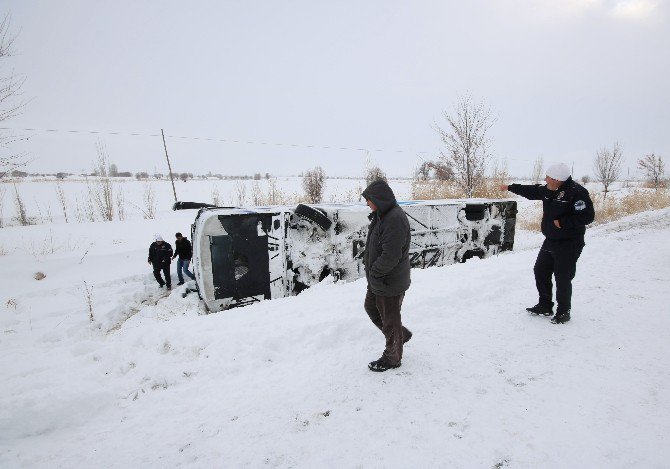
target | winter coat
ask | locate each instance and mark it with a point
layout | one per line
(183, 249)
(570, 205)
(160, 255)
(386, 256)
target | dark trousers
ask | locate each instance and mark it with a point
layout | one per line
(165, 268)
(384, 311)
(557, 258)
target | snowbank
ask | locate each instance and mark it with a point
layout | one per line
(154, 382)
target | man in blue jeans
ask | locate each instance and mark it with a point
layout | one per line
(184, 250)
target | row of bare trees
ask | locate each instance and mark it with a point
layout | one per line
(608, 162)
(653, 167)
(314, 181)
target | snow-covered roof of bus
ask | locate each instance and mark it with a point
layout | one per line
(330, 207)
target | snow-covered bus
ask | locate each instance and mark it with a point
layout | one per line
(245, 255)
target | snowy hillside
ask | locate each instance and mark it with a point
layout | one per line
(153, 382)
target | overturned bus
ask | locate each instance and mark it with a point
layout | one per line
(242, 256)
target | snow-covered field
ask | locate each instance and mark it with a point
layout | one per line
(43, 205)
(154, 382)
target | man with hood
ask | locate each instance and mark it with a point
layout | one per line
(160, 255)
(566, 210)
(387, 271)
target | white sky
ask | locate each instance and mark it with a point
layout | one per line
(563, 78)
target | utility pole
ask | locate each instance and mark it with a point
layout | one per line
(174, 191)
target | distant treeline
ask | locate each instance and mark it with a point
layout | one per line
(142, 175)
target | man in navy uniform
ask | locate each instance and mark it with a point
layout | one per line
(567, 209)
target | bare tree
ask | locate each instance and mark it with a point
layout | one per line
(60, 193)
(500, 173)
(314, 182)
(607, 166)
(10, 106)
(374, 173)
(256, 195)
(241, 192)
(120, 204)
(585, 179)
(538, 170)
(422, 173)
(438, 170)
(273, 193)
(21, 214)
(88, 298)
(467, 143)
(654, 167)
(216, 197)
(89, 209)
(149, 199)
(101, 190)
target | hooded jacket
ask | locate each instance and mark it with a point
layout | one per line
(570, 204)
(386, 256)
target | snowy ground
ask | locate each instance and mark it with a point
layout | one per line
(154, 382)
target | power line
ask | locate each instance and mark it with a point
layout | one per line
(215, 139)
(236, 141)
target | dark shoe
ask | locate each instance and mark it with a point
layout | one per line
(169, 287)
(161, 285)
(408, 337)
(180, 283)
(381, 365)
(541, 309)
(561, 318)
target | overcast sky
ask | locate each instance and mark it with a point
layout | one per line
(563, 79)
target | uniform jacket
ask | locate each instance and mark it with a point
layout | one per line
(160, 255)
(386, 256)
(183, 249)
(570, 205)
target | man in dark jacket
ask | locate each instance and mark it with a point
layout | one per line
(184, 250)
(387, 271)
(160, 255)
(567, 209)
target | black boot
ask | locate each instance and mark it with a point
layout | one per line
(381, 365)
(561, 318)
(539, 308)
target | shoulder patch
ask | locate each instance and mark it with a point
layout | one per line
(580, 205)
